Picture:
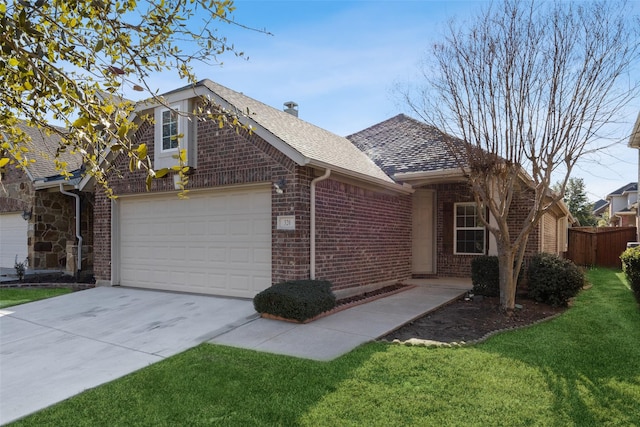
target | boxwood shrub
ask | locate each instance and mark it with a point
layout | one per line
(631, 266)
(553, 280)
(297, 299)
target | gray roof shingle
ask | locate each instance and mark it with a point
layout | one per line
(632, 186)
(43, 149)
(310, 141)
(402, 144)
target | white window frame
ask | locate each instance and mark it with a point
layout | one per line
(479, 226)
(176, 109)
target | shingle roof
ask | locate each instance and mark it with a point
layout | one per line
(42, 149)
(402, 144)
(632, 186)
(308, 140)
(600, 204)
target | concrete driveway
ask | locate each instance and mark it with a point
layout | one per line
(53, 349)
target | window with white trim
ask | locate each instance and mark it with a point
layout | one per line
(468, 231)
(170, 128)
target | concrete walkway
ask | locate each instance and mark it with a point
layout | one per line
(337, 334)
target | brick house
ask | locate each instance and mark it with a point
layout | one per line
(415, 154)
(286, 200)
(37, 221)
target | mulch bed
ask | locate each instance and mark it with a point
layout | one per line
(469, 320)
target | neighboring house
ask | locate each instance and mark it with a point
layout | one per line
(599, 208)
(623, 205)
(37, 221)
(289, 200)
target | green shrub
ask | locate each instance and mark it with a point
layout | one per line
(298, 299)
(631, 267)
(485, 276)
(553, 280)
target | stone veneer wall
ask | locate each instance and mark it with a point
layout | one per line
(55, 229)
(52, 223)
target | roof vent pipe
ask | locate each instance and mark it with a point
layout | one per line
(291, 108)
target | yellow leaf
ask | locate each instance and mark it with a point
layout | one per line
(162, 173)
(4, 161)
(81, 122)
(13, 62)
(3, 8)
(142, 151)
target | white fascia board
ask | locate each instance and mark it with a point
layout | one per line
(634, 140)
(432, 174)
(42, 185)
(388, 185)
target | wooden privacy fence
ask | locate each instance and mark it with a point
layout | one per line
(599, 246)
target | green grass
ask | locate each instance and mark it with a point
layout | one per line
(580, 369)
(15, 296)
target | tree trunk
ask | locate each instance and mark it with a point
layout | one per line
(508, 280)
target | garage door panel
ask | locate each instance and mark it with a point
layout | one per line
(13, 239)
(214, 242)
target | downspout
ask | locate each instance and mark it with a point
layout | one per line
(312, 260)
(78, 235)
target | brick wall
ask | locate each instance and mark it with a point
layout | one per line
(224, 158)
(450, 265)
(362, 237)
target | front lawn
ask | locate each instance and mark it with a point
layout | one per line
(15, 296)
(580, 369)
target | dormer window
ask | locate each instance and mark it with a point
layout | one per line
(170, 128)
(174, 129)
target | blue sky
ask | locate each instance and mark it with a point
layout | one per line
(342, 61)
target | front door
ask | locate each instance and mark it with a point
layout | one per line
(423, 241)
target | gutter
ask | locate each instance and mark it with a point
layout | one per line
(312, 258)
(78, 235)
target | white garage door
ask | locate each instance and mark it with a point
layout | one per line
(216, 243)
(13, 239)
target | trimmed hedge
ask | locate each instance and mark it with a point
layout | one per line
(631, 266)
(297, 299)
(553, 280)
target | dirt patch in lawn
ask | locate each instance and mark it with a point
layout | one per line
(472, 319)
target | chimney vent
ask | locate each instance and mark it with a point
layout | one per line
(291, 108)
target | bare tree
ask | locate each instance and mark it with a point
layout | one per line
(528, 86)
